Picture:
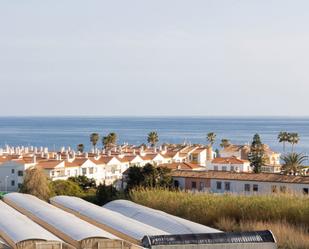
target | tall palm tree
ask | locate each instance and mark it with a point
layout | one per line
(80, 148)
(153, 138)
(109, 140)
(293, 139)
(283, 137)
(293, 163)
(94, 138)
(211, 137)
(225, 143)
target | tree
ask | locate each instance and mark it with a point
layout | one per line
(283, 137)
(106, 194)
(293, 163)
(135, 177)
(211, 137)
(109, 140)
(80, 148)
(149, 177)
(94, 138)
(257, 155)
(165, 178)
(83, 182)
(63, 187)
(153, 138)
(36, 183)
(225, 143)
(293, 139)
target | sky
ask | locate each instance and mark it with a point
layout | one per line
(162, 57)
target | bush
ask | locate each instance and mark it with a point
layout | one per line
(62, 187)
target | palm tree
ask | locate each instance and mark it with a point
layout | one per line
(80, 148)
(283, 137)
(94, 138)
(211, 137)
(293, 163)
(225, 143)
(113, 138)
(109, 140)
(153, 138)
(293, 139)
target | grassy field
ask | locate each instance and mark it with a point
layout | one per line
(286, 215)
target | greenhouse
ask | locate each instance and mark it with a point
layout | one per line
(161, 220)
(120, 225)
(66, 226)
(12, 230)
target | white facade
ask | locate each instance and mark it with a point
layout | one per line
(11, 175)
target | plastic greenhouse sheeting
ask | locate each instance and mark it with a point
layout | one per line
(16, 227)
(113, 220)
(161, 220)
(57, 220)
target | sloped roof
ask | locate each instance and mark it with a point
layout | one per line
(241, 176)
(228, 160)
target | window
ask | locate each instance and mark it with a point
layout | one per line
(216, 168)
(274, 189)
(13, 171)
(223, 168)
(227, 186)
(12, 183)
(90, 170)
(255, 188)
(19, 185)
(176, 184)
(193, 185)
(202, 185)
(305, 191)
(232, 168)
(283, 189)
(219, 185)
(84, 171)
(20, 173)
(247, 187)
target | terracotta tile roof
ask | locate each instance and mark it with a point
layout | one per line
(103, 160)
(49, 164)
(127, 158)
(180, 166)
(228, 160)
(226, 175)
(75, 163)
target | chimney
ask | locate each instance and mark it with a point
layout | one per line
(86, 154)
(34, 159)
(109, 153)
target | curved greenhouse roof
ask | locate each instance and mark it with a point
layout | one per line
(161, 220)
(13, 224)
(65, 225)
(121, 225)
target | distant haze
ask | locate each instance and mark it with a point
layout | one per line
(162, 57)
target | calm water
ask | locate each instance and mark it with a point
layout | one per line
(70, 131)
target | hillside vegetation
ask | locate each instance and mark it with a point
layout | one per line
(286, 215)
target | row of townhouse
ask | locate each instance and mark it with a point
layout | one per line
(103, 166)
(239, 183)
(108, 165)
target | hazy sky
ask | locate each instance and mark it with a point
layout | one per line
(154, 57)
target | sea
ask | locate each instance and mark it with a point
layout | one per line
(55, 132)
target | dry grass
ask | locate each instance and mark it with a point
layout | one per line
(287, 216)
(288, 236)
